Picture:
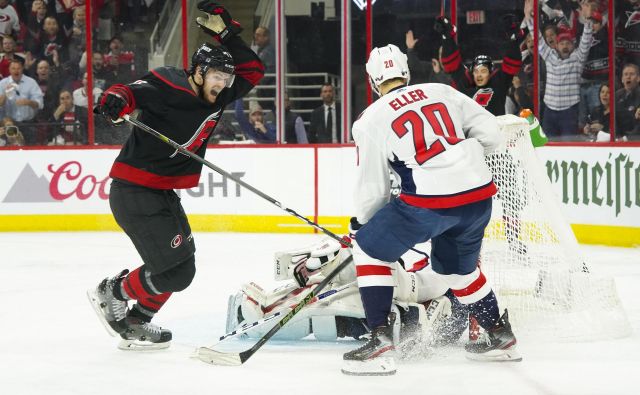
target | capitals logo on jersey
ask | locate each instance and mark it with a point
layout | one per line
(483, 96)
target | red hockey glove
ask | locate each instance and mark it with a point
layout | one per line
(116, 102)
(218, 23)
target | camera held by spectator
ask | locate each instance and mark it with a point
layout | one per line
(10, 135)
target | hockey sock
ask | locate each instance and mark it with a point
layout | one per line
(486, 311)
(145, 309)
(377, 304)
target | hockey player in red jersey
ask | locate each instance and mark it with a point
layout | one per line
(185, 105)
(486, 85)
(435, 139)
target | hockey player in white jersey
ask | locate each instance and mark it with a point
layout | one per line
(435, 139)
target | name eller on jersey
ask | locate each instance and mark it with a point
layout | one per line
(407, 98)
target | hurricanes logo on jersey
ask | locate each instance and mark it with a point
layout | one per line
(633, 18)
(202, 134)
(483, 96)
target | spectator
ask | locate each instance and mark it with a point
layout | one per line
(421, 70)
(564, 68)
(518, 97)
(627, 102)
(9, 53)
(20, 95)
(102, 76)
(119, 61)
(255, 128)
(64, 12)
(73, 121)
(9, 21)
(35, 22)
(80, 95)
(294, 131)
(550, 34)
(627, 32)
(325, 120)
(51, 46)
(598, 118)
(488, 87)
(596, 68)
(10, 135)
(49, 83)
(265, 51)
(77, 35)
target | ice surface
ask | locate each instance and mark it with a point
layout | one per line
(52, 343)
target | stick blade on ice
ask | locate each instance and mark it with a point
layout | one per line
(214, 357)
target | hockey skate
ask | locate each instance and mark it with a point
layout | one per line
(497, 344)
(140, 335)
(110, 310)
(376, 357)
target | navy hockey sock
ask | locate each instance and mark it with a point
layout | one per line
(486, 311)
(377, 304)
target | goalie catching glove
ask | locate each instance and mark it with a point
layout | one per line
(316, 259)
(303, 263)
(218, 22)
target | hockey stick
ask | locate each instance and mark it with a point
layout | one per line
(247, 327)
(218, 170)
(214, 357)
(234, 359)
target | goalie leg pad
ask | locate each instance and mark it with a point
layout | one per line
(324, 327)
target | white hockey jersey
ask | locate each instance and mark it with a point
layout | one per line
(434, 138)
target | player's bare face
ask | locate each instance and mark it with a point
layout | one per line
(481, 75)
(630, 78)
(214, 82)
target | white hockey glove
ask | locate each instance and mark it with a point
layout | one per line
(319, 257)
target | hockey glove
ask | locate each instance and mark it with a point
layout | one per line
(115, 103)
(512, 28)
(318, 258)
(443, 27)
(218, 22)
(354, 227)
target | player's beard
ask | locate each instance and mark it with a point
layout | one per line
(212, 92)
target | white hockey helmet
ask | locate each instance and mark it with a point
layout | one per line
(386, 63)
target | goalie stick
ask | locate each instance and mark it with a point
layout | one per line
(215, 357)
(234, 359)
(247, 327)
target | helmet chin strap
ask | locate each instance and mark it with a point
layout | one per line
(200, 86)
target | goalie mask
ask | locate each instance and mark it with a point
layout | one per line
(210, 57)
(386, 63)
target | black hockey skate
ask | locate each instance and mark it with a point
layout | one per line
(376, 357)
(497, 344)
(140, 335)
(110, 311)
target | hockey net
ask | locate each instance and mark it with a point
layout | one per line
(532, 257)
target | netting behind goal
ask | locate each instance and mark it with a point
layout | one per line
(531, 254)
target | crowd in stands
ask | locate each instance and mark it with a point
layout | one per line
(44, 86)
(43, 90)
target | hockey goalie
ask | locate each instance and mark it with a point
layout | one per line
(428, 314)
